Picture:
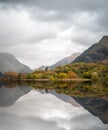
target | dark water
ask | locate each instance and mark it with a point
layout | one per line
(48, 106)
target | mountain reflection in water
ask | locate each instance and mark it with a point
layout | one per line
(23, 107)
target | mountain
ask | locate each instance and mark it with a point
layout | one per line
(41, 67)
(9, 63)
(64, 61)
(97, 52)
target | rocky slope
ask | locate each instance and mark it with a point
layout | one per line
(97, 52)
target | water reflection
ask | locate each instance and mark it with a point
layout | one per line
(10, 94)
(98, 106)
(26, 108)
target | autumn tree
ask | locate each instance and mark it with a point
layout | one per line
(11, 75)
(71, 74)
(21, 76)
(62, 75)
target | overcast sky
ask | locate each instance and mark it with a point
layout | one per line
(41, 32)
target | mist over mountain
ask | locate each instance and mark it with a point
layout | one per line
(43, 67)
(64, 61)
(9, 63)
(97, 52)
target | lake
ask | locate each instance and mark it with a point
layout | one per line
(53, 106)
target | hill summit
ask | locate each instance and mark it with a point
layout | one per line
(97, 52)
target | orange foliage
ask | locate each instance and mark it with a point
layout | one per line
(11, 75)
(72, 74)
(21, 76)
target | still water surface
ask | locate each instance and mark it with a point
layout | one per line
(26, 108)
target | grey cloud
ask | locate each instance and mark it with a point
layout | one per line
(63, 10)
(81, 38)
(102, 19)
(61, 7)
(49, 18)
(15, 29)
(61, 4)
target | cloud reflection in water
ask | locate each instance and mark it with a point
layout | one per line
(36, 111)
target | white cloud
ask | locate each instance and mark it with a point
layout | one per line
(42, 32)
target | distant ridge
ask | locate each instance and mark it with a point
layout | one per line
(97, 52)
(64, 61)
(41, 67)
(9, 63)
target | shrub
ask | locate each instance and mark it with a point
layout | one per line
(94, 76)
(62, 75)
(87, 75)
